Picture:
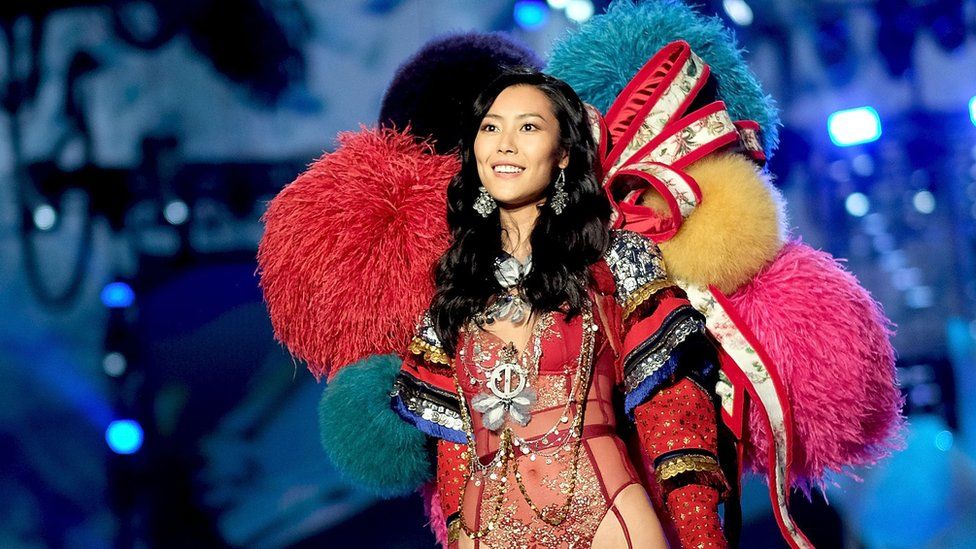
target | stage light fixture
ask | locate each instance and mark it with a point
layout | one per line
(580, 10)
(114, 363)
(531, 14)
(117, 295)
(45, 217)
(738, 11)
(924, 202)
(854, 126)
(176, 212)
(857, 204)
(124, 436)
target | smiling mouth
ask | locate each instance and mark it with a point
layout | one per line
(510, 169)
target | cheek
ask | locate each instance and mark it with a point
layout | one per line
(481, 149)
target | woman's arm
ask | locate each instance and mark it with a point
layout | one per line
(667, 363)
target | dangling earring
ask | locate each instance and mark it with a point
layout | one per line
(484, 204)
(560, 197)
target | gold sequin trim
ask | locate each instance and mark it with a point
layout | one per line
(644, 293)
(677, 465)
(434, 355)
(454, 530)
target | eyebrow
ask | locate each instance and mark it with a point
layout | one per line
(526, 115)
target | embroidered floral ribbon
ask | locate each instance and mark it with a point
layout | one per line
(653, 138)
(751, 371)
(649, 135)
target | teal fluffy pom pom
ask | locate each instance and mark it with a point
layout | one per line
(365, 439)
(600, 57)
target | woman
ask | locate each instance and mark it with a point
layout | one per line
(546, 327)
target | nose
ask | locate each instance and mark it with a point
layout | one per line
(506, 143)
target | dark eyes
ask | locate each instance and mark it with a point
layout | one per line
(528, 127)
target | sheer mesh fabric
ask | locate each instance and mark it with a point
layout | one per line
(604, 469)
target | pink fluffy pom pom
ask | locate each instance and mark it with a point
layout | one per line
(830, 342)
(348, 248)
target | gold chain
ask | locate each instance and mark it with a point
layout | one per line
(505, 447)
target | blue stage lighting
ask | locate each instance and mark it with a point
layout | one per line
(854, 126)
(857, 204)
(972, 110)
(580, 11)
(924, 202)
(531, 14)
(45, 217)
(943, 440)
(117, 295)
(738, 11)
(124, 436)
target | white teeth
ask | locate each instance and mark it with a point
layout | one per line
(505, 168)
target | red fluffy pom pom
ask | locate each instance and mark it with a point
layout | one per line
(348, 248)
(830, 341)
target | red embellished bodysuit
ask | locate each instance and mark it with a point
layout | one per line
(546, 465)
(644, 377)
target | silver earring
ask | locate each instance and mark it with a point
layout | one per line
(560, 197)
(484, 204)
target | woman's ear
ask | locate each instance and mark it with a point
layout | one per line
(563, 160)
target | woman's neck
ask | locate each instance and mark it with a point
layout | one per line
(517, 224)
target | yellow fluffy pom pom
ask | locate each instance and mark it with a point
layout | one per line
(738, 228)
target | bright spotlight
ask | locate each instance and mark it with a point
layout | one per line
(738, 11)
(124, 436)
(854, 126)
(972, 110)
(176, 212)
(924, 202)
(579, 10)
(531, 14)
(114, 363)
(857, 204)
(45, 216)
(557, 4)
(117, 295)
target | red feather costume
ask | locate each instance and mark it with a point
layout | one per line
(665, 349)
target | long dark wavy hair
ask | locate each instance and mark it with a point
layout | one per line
(563, 246)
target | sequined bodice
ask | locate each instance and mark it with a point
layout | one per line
(551, 361)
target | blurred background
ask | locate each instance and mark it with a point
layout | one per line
(143, 400)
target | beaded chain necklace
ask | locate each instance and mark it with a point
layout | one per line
(505, 461)
(508, 381)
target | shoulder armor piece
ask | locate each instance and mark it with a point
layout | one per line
(637, 267)
(426, 343)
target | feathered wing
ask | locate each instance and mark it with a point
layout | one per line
(780, 292)
(346, 256)
(830, 340)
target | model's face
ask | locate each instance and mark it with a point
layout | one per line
(517, 147)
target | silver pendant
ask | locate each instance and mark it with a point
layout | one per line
(510, 394)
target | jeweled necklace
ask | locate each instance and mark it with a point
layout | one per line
(508, 392)
(509, 304)
(505, 455)
(508, 387)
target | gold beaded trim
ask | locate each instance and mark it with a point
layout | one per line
(434, 355)
(677, 465)
(454, 530)
(644, 293)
